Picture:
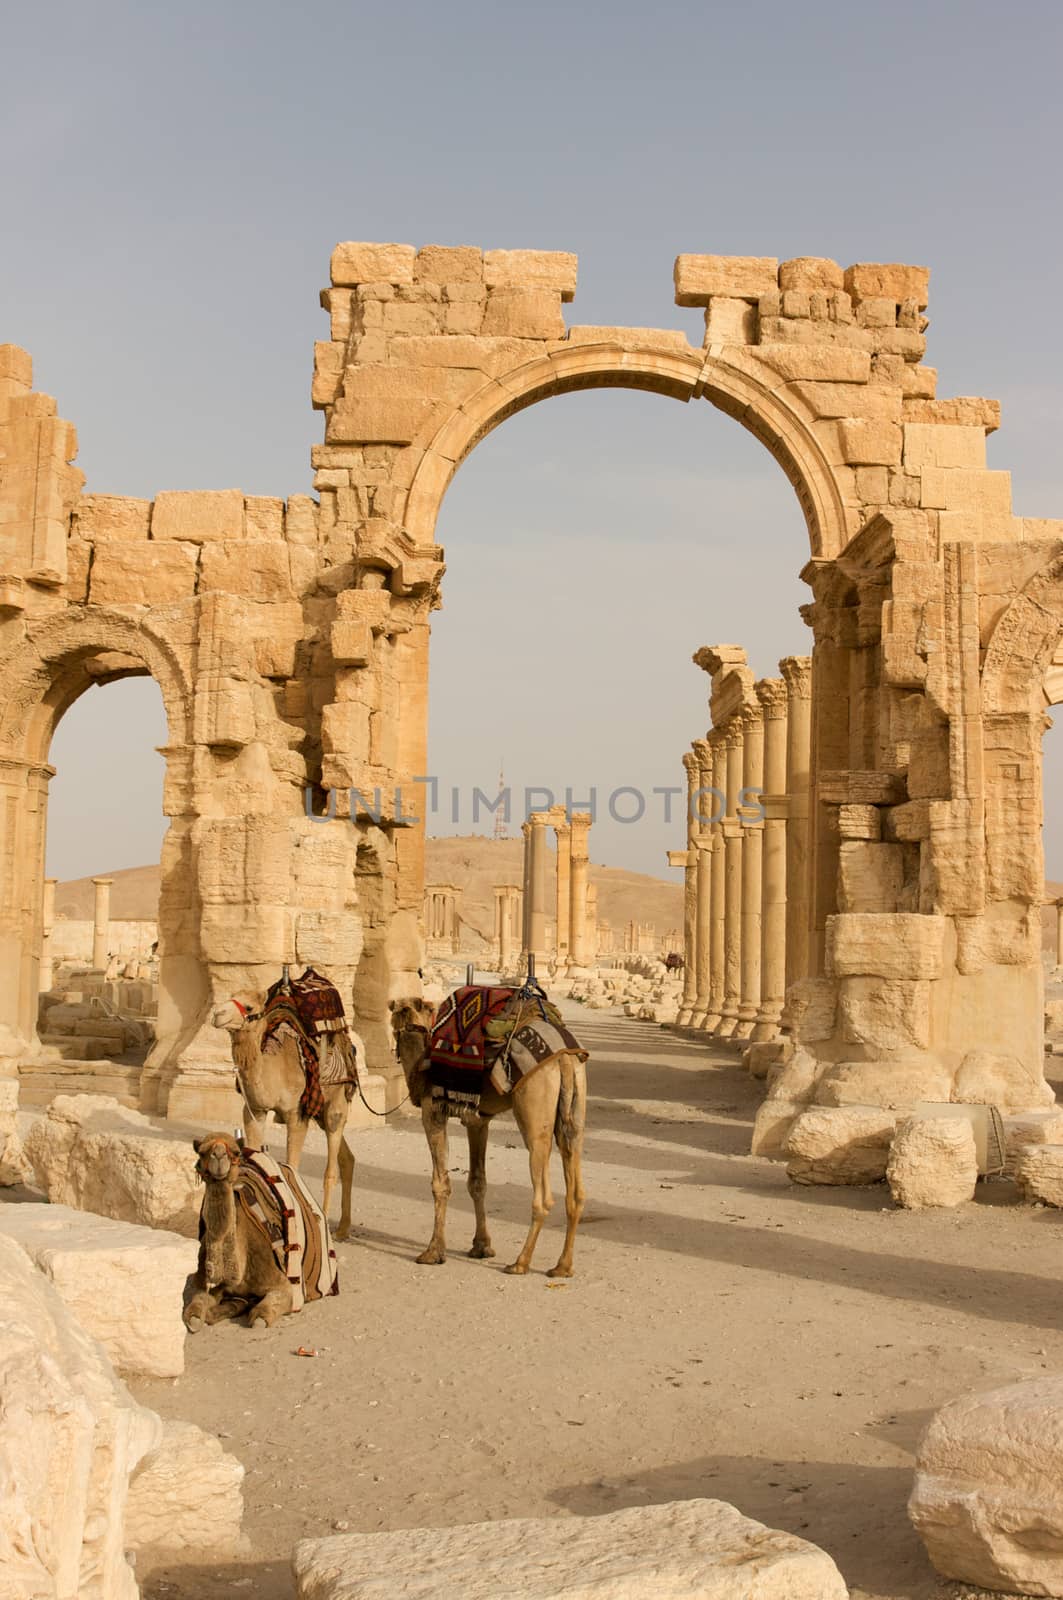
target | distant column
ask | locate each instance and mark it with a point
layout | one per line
(771, 692)
(797, 671)
(690, 897)
(563, 835)
(580, 954)
(101, 916)
(47, 921)
(1059, 933)
(592, 920)
(702, 843)
(715, 804)
(752, 848)
(454, 918)
(732, 832)
(525, 941)
(537, 885)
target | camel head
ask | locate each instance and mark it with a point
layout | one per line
(219, 1157)
(411, 1023)
(235, 1012)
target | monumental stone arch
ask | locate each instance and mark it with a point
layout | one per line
(290, 639)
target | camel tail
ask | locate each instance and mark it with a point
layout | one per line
(572, 1101)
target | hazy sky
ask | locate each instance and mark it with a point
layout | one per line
(174, 180)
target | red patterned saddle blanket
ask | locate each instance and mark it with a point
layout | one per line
(310, 1011)
(483, 1035)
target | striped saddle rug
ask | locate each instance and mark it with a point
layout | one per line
(486, 1036)
(309, 1011)
(277, 1202)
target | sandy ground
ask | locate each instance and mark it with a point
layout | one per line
(726, 1335)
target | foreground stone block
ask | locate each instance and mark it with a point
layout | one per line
(91, 1153)
(1001, 1081)
(933, 1161)
(186, 1495)
(1039, 1174)
(690, 1550)
(847, 1144)
(1034, 1128)
(123, 1284)
(987, 1501)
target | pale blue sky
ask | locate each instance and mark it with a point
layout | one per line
(174, 180)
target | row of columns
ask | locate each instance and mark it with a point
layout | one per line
(575, 903)
(746, 906)
(101, 917)
(442, 921)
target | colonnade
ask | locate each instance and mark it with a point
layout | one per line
(442, 918)
(745, 902)
(575, 906)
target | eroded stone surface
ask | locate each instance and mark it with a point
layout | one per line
(933, 1161)
(186, 1495)
(847, 1144)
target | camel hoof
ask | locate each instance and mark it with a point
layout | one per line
(341, 1235)
(194, 1324)
(431, 1258)
(481, 1252)
(559, 1272)
(259, 1325)
(516, 1270)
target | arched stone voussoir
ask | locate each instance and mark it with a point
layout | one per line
(754, 394)
(1021, 648)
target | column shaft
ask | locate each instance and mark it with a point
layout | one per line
(752, 849)
(716, 777)
(579, 826)
(537, 886)
(732, 945)
(797, 671)
(563, 835)
(101, 916)
(48, 918)
(690, 898)
(772, 695)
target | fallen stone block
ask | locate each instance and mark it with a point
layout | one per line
(124, 1284)
(933, 1161)
(844, 1144)
(186, 1495)
(688, 1550)
(91, 1153)
(1035, 1127)
(987, 1501)
(1039, 1173)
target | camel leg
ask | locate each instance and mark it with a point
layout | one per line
(254, 1127)
(477, 1132)
(435, 1130)
(273, 1305)
(335, 1122)
(295, 1132)
(346, 1160)
(537, 1129)
(571, 1160)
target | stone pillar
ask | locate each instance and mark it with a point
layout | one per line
(592, 920)
(701, 838)
(717, 777)
(525, 897)
(579, 949)
(536, 918)
(797, 672)
(732, 833)
(1059, 934)
(752, 846)
(771, 692)
(48, 918)
(507, 902)
(690, 897)
(454, 918)
(101, 916)
(563, 835)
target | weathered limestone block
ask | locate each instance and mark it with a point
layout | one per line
(871, 876)
(927, 445)
(112, 516)
(1039, 1173)
(551, 270)
(932, 1162)
(255, 568)
(91, 1153)
(758, 1059)
(814, 363)
(869, 443)
(899, 1081)
(70, 1436)
(698, 278)
(878, 280)
(987, 1502)
(121, 1282)
(840, 1145)
(1032, 1128)
(1001, 1081)
(885, 945)
(687, 1550)
(962, 410)
(14, 1168)
(263, 517)
(353, 263)
(810, 272)
(1008, 939)
(126, 574)
(885, 1014)
(772, 1125)
(186, 1495)
(524, 314)
(196, 515)
(810, 1009)
(436, 263)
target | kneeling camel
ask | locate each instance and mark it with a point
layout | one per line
(549, 1103)
(237, 1269)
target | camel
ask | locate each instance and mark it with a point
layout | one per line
(275, 1082)
(549, 1103)
(237, 1269)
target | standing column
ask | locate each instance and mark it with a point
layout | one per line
(701, 839)
(1059, 932)
(454, 915)
(732, 834)
(690, 898)
(771, 692)
(47, 921)
(101, 916)
(563, 835)
(714, 805)
(797, 671)
(592, 921)
(525, 942)
(752, 846)
(537, 885)
(579, 951)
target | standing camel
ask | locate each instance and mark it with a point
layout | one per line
(549, 1103)
(275, 1082)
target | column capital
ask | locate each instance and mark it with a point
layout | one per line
(774, 698)
(797, 671)
(538, 819)
(751, 717)
(102, 883)
(580, 819)
(733, 732)
(690, 762)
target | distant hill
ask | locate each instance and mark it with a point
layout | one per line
(473, 864)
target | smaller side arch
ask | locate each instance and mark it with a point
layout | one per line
(1019, 656)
